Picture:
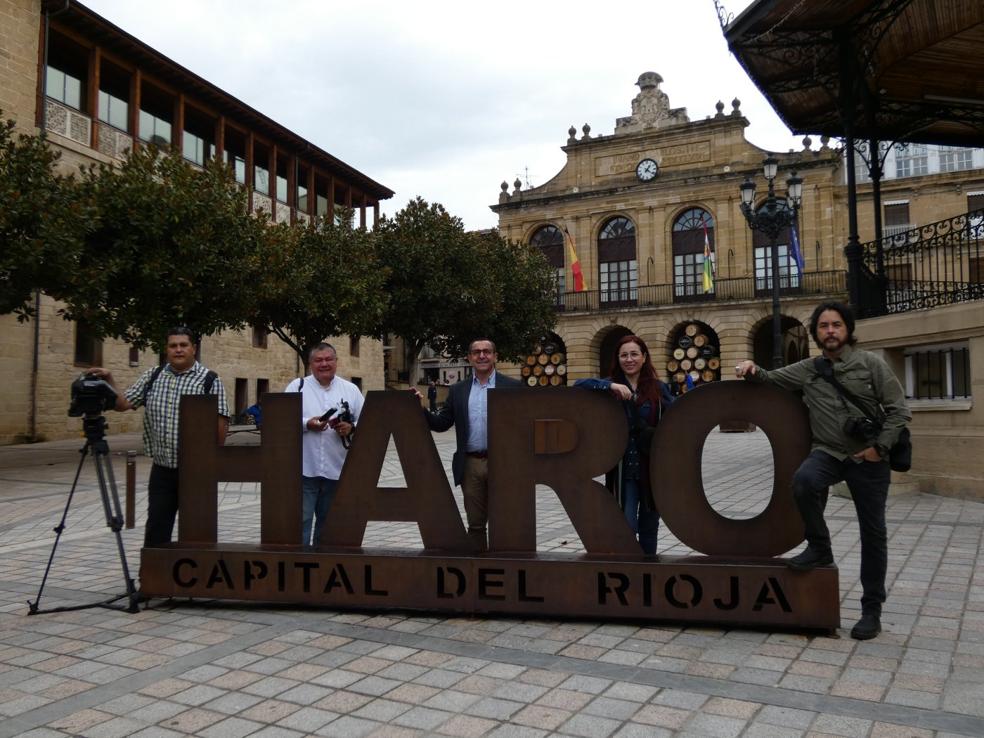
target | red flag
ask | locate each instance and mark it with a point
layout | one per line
(575, 262)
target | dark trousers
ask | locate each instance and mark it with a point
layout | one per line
(868, 483)
(162, 505)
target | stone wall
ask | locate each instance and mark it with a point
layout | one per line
(947, 435)
(19, 34)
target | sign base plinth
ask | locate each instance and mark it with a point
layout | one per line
(761, 593)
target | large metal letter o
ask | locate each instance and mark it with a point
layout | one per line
(675, 468)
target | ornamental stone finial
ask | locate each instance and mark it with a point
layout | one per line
(650, 108)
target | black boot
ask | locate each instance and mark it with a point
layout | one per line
(811, 558)
(867, 627)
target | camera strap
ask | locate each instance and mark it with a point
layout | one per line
(210, 378)
(825, 370)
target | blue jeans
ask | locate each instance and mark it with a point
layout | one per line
(318, 492)
(644, 523)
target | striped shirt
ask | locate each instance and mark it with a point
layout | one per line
(160, 428)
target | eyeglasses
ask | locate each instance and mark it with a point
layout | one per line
(631, 355)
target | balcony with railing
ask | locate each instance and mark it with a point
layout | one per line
(941, 263)
(736, 289)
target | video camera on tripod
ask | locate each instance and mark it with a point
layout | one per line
(91, 397)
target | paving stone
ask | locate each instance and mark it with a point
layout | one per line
(590, 726)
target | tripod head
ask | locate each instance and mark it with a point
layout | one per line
(94, 427)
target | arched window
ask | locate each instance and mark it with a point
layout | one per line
(550, 241)
(688, 253)
(618, 268)
(789, 274)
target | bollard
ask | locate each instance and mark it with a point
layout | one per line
(131, 487)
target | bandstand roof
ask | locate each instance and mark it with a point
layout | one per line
(899, 70)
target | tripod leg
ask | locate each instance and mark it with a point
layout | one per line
(114, 515)
(59, 529)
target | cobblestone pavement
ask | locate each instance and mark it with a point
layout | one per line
(218, 669)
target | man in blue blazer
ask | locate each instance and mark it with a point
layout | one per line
(467, 410)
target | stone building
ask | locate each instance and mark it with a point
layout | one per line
(636, 204)
(98, 91)
(639, 205)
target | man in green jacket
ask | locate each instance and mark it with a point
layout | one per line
(846, 446)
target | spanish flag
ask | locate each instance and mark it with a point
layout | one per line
(708, 265)
(575, 263)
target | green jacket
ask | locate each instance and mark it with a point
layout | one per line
(867, 377)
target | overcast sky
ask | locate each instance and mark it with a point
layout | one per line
(446, 99)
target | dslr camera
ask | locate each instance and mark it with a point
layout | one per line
(862, 429)
(91, 395)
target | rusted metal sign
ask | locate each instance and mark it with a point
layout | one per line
(561, 438)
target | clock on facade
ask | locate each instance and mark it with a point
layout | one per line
(646, 170)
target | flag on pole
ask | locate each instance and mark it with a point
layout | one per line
(708, 266)
(794, 247)
(575, 262)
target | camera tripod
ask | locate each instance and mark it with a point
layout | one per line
(94, 427)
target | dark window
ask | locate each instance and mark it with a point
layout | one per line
(241, 400)
(134, 358)
(67, 73)
(262, 387)
(354, 345)
(156, 114)
(114, 94)
(897, 218)
(302, 190)
(550, 240)
(260, 334)
(975, 223)
(942, 374)
(197, 143)
(618, 268)
(688, 252)
(282, 164)
(88, 347)
(789, 276)
(235, 153)
(357, 381)
(261, 169)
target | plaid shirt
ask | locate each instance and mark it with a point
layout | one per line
(160, 428)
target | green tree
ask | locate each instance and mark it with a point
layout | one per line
(41, 221)
(319, 280)
(446, 286)
(516, 302)
(171, 244)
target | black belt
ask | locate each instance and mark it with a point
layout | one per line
(477, 454)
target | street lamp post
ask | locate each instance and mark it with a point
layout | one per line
(771, 218)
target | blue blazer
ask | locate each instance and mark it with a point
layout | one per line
(455, 412)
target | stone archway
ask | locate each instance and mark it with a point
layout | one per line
(795, 341)
(694, 354)
(606, 353)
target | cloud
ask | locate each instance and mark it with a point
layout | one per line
(447, 99)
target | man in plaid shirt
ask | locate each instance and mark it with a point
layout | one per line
(182, 375)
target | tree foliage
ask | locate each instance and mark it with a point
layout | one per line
(41, 221)
(319, 280)
(170, 244)
(447, 287)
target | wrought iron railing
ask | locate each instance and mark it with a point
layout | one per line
(735, 289)
(928, 266)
